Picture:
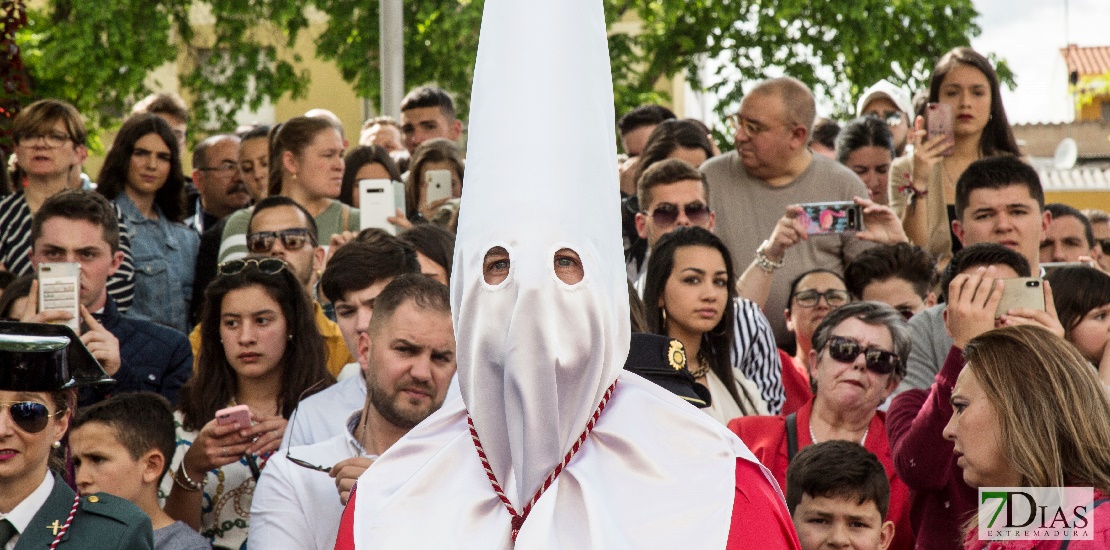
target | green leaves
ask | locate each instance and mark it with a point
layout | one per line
(242, 52)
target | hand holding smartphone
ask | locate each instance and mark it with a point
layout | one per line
(939, 121)
(439, 185)
(825, 218)
(60, 289)
(1022, 292)
(239, 416)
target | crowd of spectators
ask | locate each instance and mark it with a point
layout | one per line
(870, 370)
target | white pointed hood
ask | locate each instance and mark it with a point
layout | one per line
(535, 355)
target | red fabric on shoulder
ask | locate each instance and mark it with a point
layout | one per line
(346, 538)
(759, 516)
(795, 384)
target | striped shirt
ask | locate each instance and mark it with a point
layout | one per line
(15, 249)
(754, 353)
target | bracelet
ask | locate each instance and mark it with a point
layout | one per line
(188, 484)
(765, 263)
(909, 189)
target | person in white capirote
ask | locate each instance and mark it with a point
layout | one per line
(553, 444)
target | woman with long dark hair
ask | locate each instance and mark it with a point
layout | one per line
(690, 296)
(923, 184)
(260, 347)
(365, 162)
(142, 176)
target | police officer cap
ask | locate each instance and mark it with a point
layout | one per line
(38, 357)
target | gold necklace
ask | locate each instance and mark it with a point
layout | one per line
(703, 367)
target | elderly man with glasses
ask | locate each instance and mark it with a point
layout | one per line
(218, 180)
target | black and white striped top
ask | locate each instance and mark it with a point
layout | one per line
(755, 354)
(15, 249)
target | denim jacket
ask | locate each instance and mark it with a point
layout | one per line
(165, 255)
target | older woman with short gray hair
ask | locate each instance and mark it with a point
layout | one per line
(858, 358)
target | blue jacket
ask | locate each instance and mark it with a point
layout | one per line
(152, 358)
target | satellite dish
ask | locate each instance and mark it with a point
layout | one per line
(1067, 152)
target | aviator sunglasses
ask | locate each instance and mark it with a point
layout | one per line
(878, 361)
(292, 239)
(268, 266)
(666, 214)
(29, 416)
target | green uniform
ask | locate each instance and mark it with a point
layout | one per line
(102, 522)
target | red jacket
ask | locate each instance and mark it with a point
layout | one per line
(940, 500)
(766, 437)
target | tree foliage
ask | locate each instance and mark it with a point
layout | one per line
(97, 54)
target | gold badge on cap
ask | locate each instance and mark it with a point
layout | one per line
(677, 355)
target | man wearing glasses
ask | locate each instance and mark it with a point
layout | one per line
(219, 181)
(771, 169)
(891, 104)
(282, 228)
(1100, 227)
(408, 354)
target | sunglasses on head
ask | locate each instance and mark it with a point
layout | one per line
(878, 361)
(292, 239)
(29, 416)
(666, 214)
(268, 266)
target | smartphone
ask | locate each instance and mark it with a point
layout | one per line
(399, 195)
(439, 185)
(939, 122)
(60, 288)
(1049, 267)
(825, 218)
(1023, 292)
(377, 203)
(238, 415)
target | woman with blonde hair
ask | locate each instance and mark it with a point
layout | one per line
(1028, 411)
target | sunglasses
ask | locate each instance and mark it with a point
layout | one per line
(878, 361)
(29, 416)
(292, 421)
(833, 297)
(892, 118)
(268, 266)
(666, 214)
(292, 239)
(1104, 244)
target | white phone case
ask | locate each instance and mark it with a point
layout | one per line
(60, 288)
(376, 204)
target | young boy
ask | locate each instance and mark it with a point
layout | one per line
(838, 495)
(122, 446)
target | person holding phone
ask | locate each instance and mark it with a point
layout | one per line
(420, 202)
(260, 348)
(923, 184)
(365, 162)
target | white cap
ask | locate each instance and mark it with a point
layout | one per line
(882, 88)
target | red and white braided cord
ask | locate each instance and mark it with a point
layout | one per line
(69, 520)
(518, 518)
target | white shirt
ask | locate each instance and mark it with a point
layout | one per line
(25, 511)
(296, 507)
(323, 415)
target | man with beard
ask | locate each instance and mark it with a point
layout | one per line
(553, 444)
(219, 181)
(409, 357)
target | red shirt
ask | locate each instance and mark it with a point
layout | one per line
(766, 437)
(795, 383)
